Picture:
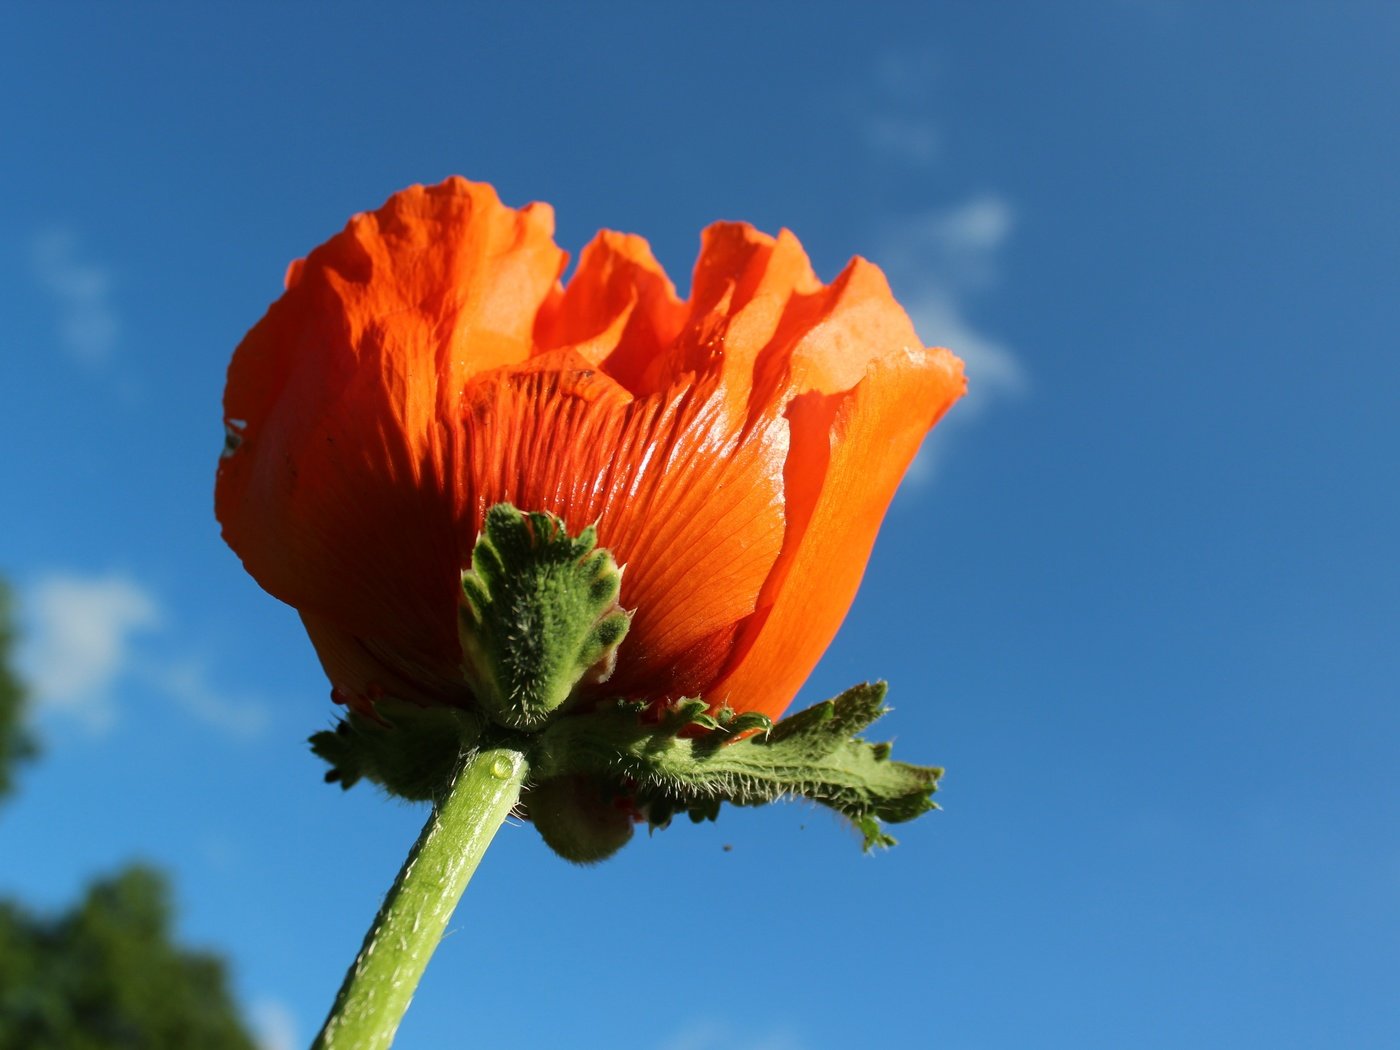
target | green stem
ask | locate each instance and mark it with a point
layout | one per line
(380, 985)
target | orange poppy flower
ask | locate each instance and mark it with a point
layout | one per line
(737, 449)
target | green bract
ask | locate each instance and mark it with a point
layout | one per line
(540, 616)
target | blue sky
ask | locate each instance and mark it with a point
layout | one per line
(1140, 594)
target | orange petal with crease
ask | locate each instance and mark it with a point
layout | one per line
(737, 449)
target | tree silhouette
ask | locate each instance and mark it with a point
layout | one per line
(106, 976)
(16, 742)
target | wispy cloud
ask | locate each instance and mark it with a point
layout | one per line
(914, 140)
(993, 369)
(895, 121)
(275, 1025)
(956, 248)
(79, 642)
(83, 642)
(939, 260)
(187, 684)
(81, 291)
(993, 373)
(706, 1034)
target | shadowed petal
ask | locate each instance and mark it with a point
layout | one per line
(341, 493)
(619, 310)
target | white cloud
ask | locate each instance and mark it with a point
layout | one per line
(79, 642)
(975, 227)
(87, 324)
(938, 260)
(955, 250)
(993, 374)
(275, 1025)
(187, 684)
(80, 645)
(893, 115)
(993, 371)
(910, 139)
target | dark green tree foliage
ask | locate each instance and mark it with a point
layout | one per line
(106, 976)
(16, 744)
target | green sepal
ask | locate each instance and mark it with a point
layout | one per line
(409, 751)
(538, 615)
(690, 761)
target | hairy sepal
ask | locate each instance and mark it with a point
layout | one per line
(692, 761)
(538, 615)
(407, 750)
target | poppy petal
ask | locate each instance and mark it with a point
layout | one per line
(363, 672)
(619, 310)
(853, 435)
(692, 508)
(339, 490)
(737, 450)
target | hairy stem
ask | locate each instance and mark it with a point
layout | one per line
(381, 983)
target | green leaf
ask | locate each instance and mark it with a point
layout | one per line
(691, 762)
(409, 751)
(538, 615)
